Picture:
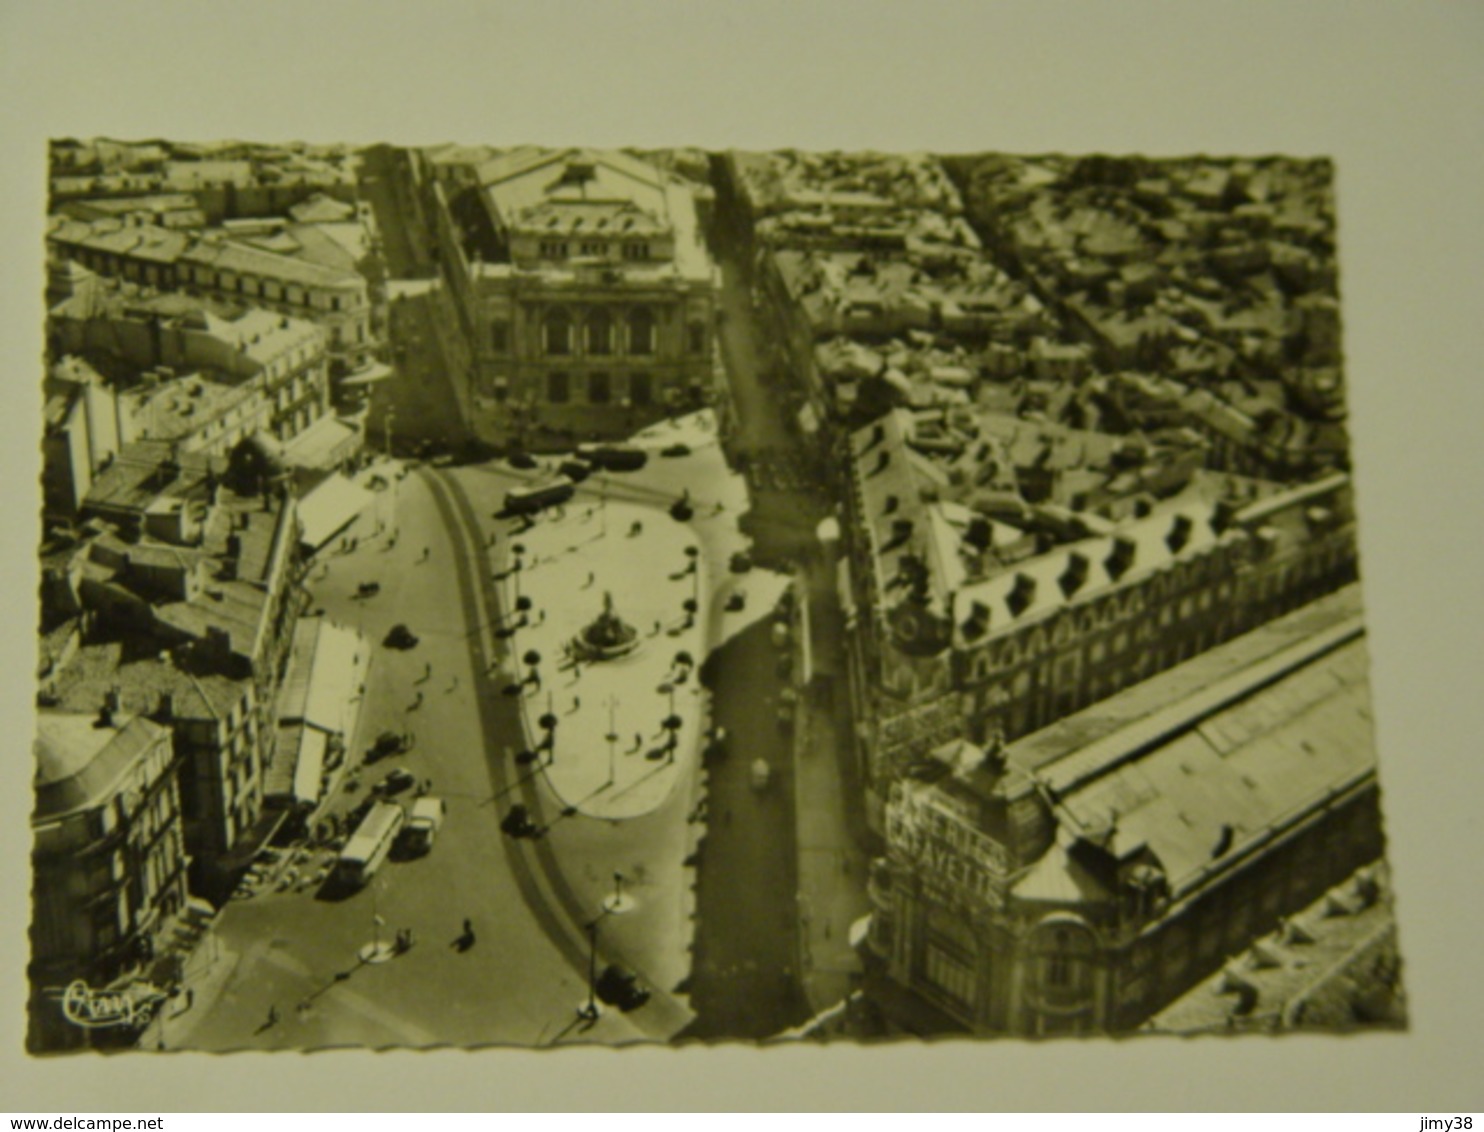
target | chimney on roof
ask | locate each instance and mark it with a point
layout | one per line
(218, 640)
(110, 708)
(1223, 840)
(994, 760)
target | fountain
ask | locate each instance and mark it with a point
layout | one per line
(607, 637)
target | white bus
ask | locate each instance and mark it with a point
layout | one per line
(369, 844)
(529, 500)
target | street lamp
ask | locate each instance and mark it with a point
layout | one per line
(612, 738)
(617, 903)
(589, 1011)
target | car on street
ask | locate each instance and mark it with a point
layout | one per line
(424, 821)
(762, 774)
(575, 470)
(613, 457)
(517, 822)
(673, 450)
(395, 782)
(621, 988)
(522, 460)
(388, 743)
(400, 637)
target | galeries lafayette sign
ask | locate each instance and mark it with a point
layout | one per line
(948, 855)
(132, 1005)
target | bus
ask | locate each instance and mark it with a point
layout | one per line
(369, 844)
(529, 500)
(613, 457)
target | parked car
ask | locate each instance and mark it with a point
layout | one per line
(395, 782)
(424, 821)
(675, 450)
(762, 774)
(400, 637)
(621, 988)
(388, 743)
(517, 822)
(575, 470)
(522, 460)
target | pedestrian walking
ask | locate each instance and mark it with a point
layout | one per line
(452, 686)
(417, 703)
(541, 617)
(576, 703)
(590, 580)
(273, 1015)
(426, 551)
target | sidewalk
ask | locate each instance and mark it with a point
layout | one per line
(831, 868)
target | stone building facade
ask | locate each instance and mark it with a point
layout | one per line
(1082, 878)
(584, 290)
(108, 858)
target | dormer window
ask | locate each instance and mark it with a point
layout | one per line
(1179, 536)
(1021, 595)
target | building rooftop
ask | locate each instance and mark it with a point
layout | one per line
(322, 209)
(144, 471)
(1210, 758)
(81, 762)
(575, 192)
(174, 410)
(229, 255)
(1314, 953)
(141, 679)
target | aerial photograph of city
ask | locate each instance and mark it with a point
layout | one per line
(536, 596)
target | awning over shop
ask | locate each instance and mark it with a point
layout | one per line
(298, 765)
(373, 373)
(327, 664)
(310, 766)
(329, 508)
(327, 443)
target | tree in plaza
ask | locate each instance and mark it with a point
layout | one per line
(532, 659)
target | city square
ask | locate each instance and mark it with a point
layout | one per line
(534, 596)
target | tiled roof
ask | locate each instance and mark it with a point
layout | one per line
(141, 680)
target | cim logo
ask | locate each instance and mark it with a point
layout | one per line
(132, 1005)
